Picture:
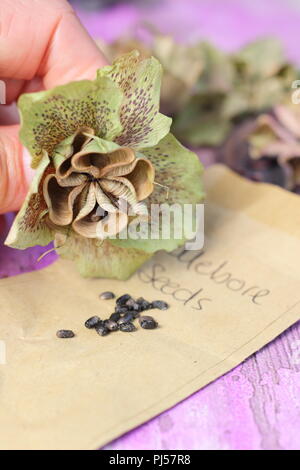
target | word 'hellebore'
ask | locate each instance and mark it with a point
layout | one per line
(95, 144)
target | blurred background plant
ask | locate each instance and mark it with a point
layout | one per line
(94, 4)
(101, 4)
(234, 104)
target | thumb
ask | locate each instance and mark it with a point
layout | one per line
(15, 171)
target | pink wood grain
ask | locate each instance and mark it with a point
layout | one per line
(254, 407)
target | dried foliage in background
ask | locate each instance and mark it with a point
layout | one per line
(238, 103)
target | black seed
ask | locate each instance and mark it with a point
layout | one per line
(121, 301)
(92, 322)
(127, 327)
(135, 314)
(144, 304)
(148, 323)
(131, 304)
(115, 316)
(111, 325)
(137, 307)
(128, 317)
(102, 330)
(107, 295)
(160, 304)
(119, 309)
(65, 334)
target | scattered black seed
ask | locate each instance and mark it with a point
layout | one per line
(107, 295)
(127, 327)
(128, 317)
(111, 325)
(92, 322)
(135, 314)
(121, 321)
(121, 301)
(120, 309)
(102, 330)
(148, 323)
(115, 316)
(131, 304)
(144, 304)
(65, 334)
(160, 304)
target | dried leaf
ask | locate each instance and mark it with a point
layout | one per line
(29, 228)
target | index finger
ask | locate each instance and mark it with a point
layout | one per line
(41, 38)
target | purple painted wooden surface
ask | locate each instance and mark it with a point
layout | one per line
(228, 24)
(257, 405)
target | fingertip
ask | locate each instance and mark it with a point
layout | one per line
(73, 54)
(27, 169)
(55, 45)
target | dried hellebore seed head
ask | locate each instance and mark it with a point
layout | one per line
(266, 148)
(148, 323)
(65, 334)
(86, 191)
(102, 151)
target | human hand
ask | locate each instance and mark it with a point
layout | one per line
(42, 45)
